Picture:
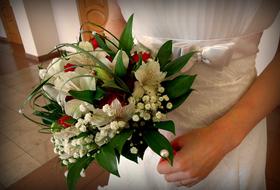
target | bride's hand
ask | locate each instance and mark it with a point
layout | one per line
(197, 154)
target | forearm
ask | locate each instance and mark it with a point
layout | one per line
(261, 98)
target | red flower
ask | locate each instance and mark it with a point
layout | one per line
(69, 67)
(63, 121)
(109, 58)
(68, 98)
(111, 96)
(94, 43)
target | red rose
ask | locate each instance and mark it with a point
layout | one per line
(69, 67)
(63, 121)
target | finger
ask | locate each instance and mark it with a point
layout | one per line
(187, 182)
(178, 176)
(164, 167)
(190, 182)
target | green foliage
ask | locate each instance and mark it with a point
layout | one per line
(158, 142)
(75, 169)
(106, 158)
(120, 69)
(126, 39)
(89, 96)
(165, 53)
(178, 86)
(176, 65)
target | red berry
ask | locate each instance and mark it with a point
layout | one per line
(63, 121)
(94, 43)
(69, 67)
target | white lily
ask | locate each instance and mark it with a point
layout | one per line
(75, 81)
(56, 66)
(148, 78)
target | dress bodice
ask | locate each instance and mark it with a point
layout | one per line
(199, 20)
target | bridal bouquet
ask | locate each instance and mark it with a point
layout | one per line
(107, 98)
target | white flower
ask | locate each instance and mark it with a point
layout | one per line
(149, 77)
(146, 98)
(42, 73)
(159, 115)
(133, 150)
(169, 105)
(83, 128)
(85, 45)
(135, 118)
(72, 160)
(161, 89)
(80, 79)
(146, 116)
(166, 98)
(72, 108)
(148, 106)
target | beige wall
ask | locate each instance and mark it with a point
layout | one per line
(42, 24)
(24, 27)
(66, 19)
(45, 23)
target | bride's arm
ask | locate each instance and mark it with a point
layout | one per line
(202, 149)
(259, 101)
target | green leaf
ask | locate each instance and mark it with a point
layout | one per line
(164, 53)
(111, 84)
(178, 86)
(158, 142)
(106, 158)
(126, 39)
(119, 140)
(126, 153)
(47, 116)
(75, 169)
(55, 127)
(180, 100)
(88, 95)
(166, 125)
(176, 65)
(120, 69)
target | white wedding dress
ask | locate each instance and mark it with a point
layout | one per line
(236, 26)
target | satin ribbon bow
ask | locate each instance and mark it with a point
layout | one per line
(218, 55)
